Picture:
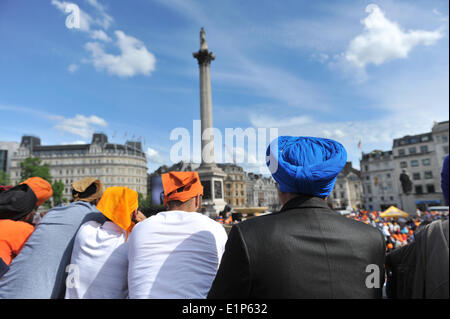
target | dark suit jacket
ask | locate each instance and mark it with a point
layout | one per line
(304, 251)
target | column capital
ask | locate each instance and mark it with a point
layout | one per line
(204, 56)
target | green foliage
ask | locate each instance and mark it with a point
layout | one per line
(58, 189)
(4, 178)
(32, 167)
(144, 202)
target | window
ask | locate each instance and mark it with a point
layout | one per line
(428, 175)
(401, 152)
(445, 149)
(388, 175)
(412, 150)
(444, 138)
(403, 165)
(430, 188)
(424, 149)
(416, 176)
(391, 197)
(426, 162)
(418, 189)
(366, 167)
(425, 138)
(342, 195)
(414, 163)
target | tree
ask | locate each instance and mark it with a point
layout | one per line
(4, 178)
(58, 188)
(32, 167)
(144, 202)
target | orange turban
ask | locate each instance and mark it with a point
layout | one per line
(181, 186)
(117, 204)
(40, 187)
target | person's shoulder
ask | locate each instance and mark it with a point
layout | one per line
(255, 223)
(88, 228)
(17, 225)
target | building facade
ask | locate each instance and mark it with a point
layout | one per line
(262, 192)
(7, 149)
(420, 157)
(113, 164)
(379, 181)
(234, 184)
(439, 133)
(347, 191)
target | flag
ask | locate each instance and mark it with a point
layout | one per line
(360, 144)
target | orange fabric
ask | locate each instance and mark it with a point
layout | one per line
(118, 204)
(13, 235)
(41, 188)
(172, 181)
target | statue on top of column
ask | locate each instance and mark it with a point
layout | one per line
(203, 43)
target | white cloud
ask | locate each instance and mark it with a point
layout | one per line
(154, 156)
(100, 35)
(72, 68)
(105, 19)
(80, 125)
(78, 142)
(261, 120)
(134, 57)
(320, 57)
(383, 40)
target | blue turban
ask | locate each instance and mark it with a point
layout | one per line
(444, 179)
(305, 165)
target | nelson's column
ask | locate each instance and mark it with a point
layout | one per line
(210, 174)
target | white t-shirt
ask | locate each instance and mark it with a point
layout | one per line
(99, 263)
(174, 255)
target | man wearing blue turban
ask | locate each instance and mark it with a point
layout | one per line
(306, 250)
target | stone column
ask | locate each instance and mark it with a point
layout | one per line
(204, 58)
(210, 174)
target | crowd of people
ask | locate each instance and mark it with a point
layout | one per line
(397, 232)
(101, 246)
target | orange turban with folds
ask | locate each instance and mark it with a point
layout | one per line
(117, 204)
(181, 186)
(40, 187)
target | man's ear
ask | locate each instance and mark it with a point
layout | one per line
(198, 201)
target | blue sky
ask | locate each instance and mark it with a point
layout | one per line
(347, 70)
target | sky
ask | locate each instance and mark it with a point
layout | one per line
(352, 71)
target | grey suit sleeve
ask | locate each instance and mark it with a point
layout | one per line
(233, 277)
